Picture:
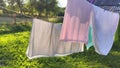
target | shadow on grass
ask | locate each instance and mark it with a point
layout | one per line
(112, 60)
(86, 59)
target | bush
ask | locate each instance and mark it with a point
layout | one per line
(19, 27)
(60, 20)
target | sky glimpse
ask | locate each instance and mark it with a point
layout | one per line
(62, 3)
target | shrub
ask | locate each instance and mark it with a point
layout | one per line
(19, 27)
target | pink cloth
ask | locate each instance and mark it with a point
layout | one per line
(76, 21)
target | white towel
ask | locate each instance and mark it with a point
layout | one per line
(104, 28)
(44, 41)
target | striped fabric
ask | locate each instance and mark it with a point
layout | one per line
(44, 41)
(76, 21)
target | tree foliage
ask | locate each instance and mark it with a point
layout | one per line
(33, 7)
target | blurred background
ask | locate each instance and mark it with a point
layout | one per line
(12, 11)
(15, 28)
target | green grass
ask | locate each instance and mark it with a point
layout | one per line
(13, 47)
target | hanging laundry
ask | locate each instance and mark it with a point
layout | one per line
(104, 28)
(109, 5)
(44, 41)
(90, 42)
(76, 21)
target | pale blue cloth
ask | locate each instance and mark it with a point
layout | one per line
(104, 29)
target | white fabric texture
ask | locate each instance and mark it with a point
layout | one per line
(104, 27)
(44, 41)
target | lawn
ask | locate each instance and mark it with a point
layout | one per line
(14, 42)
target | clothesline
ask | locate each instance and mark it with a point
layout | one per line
(108, 5)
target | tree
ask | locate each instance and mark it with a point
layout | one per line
(40, 7)
(51, 6)
(2, 4)
(20, 5)
(45, 6)
(11, 5)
